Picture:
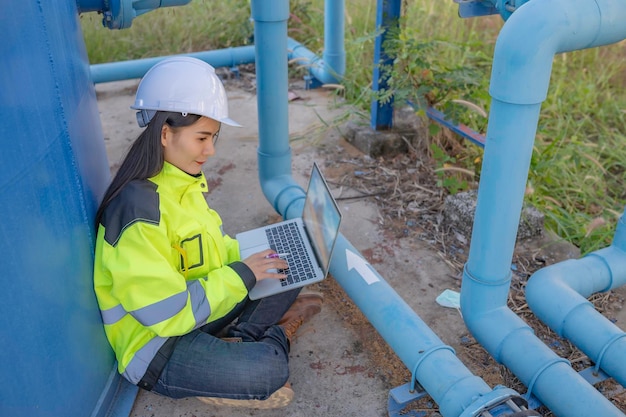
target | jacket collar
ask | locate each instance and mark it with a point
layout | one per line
(178, 181)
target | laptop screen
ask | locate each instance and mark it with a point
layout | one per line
(321, 218)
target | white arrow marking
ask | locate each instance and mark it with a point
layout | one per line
(361, 266)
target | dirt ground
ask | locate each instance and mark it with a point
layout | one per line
(413, 213)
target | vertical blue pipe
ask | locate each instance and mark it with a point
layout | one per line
(520, 76)
(55, 359)
(434, 364)
(387, 15)
(274, 152)
(334, 52)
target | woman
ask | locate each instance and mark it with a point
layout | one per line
(170, 284)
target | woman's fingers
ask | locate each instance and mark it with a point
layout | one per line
(263, 266)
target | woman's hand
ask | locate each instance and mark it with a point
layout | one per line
(261, 263)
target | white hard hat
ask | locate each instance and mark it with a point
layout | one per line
(182, 84)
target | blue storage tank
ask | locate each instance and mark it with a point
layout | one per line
(55, 359)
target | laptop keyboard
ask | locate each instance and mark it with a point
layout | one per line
(286, 238)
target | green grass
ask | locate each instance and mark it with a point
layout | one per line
(578, 167)
(198, 26)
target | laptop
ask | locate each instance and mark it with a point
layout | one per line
(306, 242)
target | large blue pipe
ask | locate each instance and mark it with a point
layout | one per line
(55, 359)
(519, 83)
(558, 296)
(433, 363)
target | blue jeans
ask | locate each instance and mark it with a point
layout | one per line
(203, 365)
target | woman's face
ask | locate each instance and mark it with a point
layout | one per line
(187, 148)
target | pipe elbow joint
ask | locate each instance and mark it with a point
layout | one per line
(327, 70)
(493, 329)
(285, 195)
(613, 259)
(552, 293)
(529, 40)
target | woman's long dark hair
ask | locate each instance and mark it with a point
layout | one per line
(145, 156)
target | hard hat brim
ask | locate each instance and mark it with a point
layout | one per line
(230, 122)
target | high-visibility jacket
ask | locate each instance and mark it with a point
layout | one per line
(163, 266)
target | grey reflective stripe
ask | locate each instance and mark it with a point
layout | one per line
(199, 302)
(163, 310)
(168, 308)
(136, 368)
(113, 315)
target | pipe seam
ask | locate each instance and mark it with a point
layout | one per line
(505, 281)
(541, 370)
(604, 350)
(583, 304)
(607, 264)
(425, 354)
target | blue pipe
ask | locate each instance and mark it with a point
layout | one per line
(332, 66)
(558, 296)
(124, 70)
(434, 364)
(519, 83)
(318, 69)
(84, 6)
(274, 155)
(229, 57)
(119, 14)
(334, 53)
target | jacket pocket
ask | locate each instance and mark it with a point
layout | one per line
(191, 253)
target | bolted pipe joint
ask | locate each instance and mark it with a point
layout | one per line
(501, 402)
(119, 14)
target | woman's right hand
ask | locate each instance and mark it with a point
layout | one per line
(261, 263)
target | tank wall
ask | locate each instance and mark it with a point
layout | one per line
(53, 170)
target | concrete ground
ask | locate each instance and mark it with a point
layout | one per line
(329, 375)
(331, 371)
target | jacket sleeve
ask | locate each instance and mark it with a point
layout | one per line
(232, 245)
(232, 248)
(149, 287)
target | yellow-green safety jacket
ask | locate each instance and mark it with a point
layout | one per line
(163, 266)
